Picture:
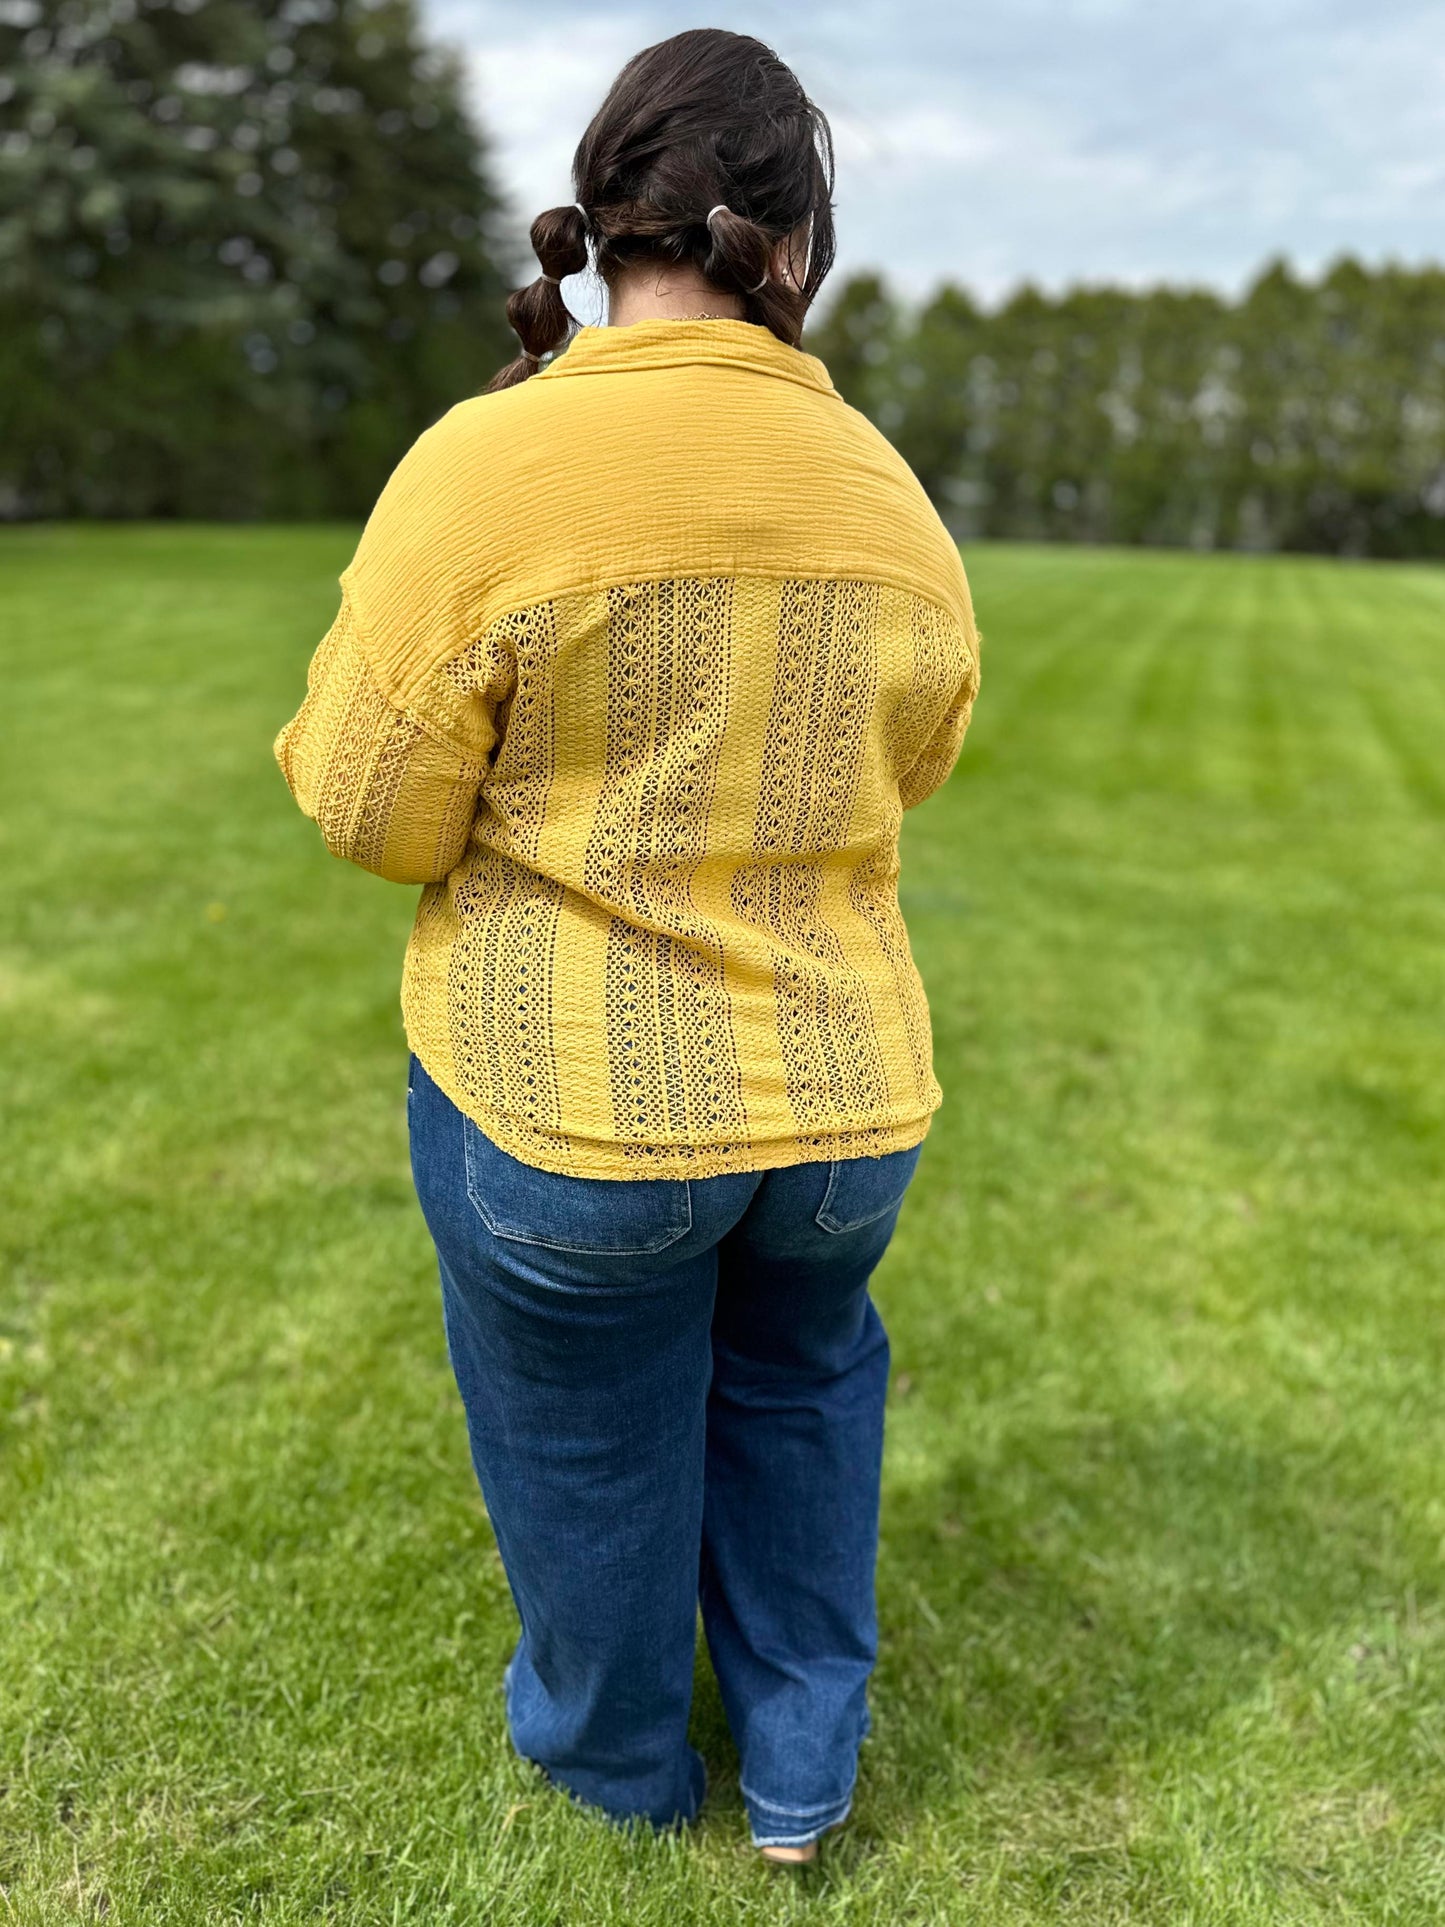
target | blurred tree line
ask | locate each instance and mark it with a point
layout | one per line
(247, 252)
(1303, 416)
(249, 249)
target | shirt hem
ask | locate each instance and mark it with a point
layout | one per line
(569, 1155)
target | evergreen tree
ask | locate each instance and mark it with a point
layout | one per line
(1301, 417)
(247, 251)
(857, 338)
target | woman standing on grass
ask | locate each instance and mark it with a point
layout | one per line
(639, 662)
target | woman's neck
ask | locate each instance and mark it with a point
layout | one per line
(667, 294)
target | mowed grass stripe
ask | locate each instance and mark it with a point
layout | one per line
(1405, 709)
(1161, 1594)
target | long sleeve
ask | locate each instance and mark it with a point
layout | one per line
(931, 768)
(388, 751)
(391, 788)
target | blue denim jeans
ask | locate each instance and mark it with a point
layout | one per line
(674, 1394)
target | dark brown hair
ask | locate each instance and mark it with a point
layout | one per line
(703, 120)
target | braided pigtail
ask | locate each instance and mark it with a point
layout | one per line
(740, 258)
(537, 313)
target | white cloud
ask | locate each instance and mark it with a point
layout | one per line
(536, 89)
(934, 135)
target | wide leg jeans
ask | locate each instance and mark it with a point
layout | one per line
(674, 1393)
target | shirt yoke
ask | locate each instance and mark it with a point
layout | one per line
(701, 470)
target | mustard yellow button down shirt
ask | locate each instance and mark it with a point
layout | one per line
(636, 669)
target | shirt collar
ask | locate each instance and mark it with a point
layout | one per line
(672, 344)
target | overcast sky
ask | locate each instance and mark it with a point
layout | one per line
(1058, 140)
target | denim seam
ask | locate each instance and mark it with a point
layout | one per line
(824, 1218)
(830, 1223)
(558, 1244)
(795, 1813)
(794, 1839)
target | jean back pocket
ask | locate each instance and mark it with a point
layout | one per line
(602, 1217)
(862, 1190)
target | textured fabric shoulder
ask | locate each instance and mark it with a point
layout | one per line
(687, 469)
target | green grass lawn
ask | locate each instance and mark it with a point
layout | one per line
(1161, 1587)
